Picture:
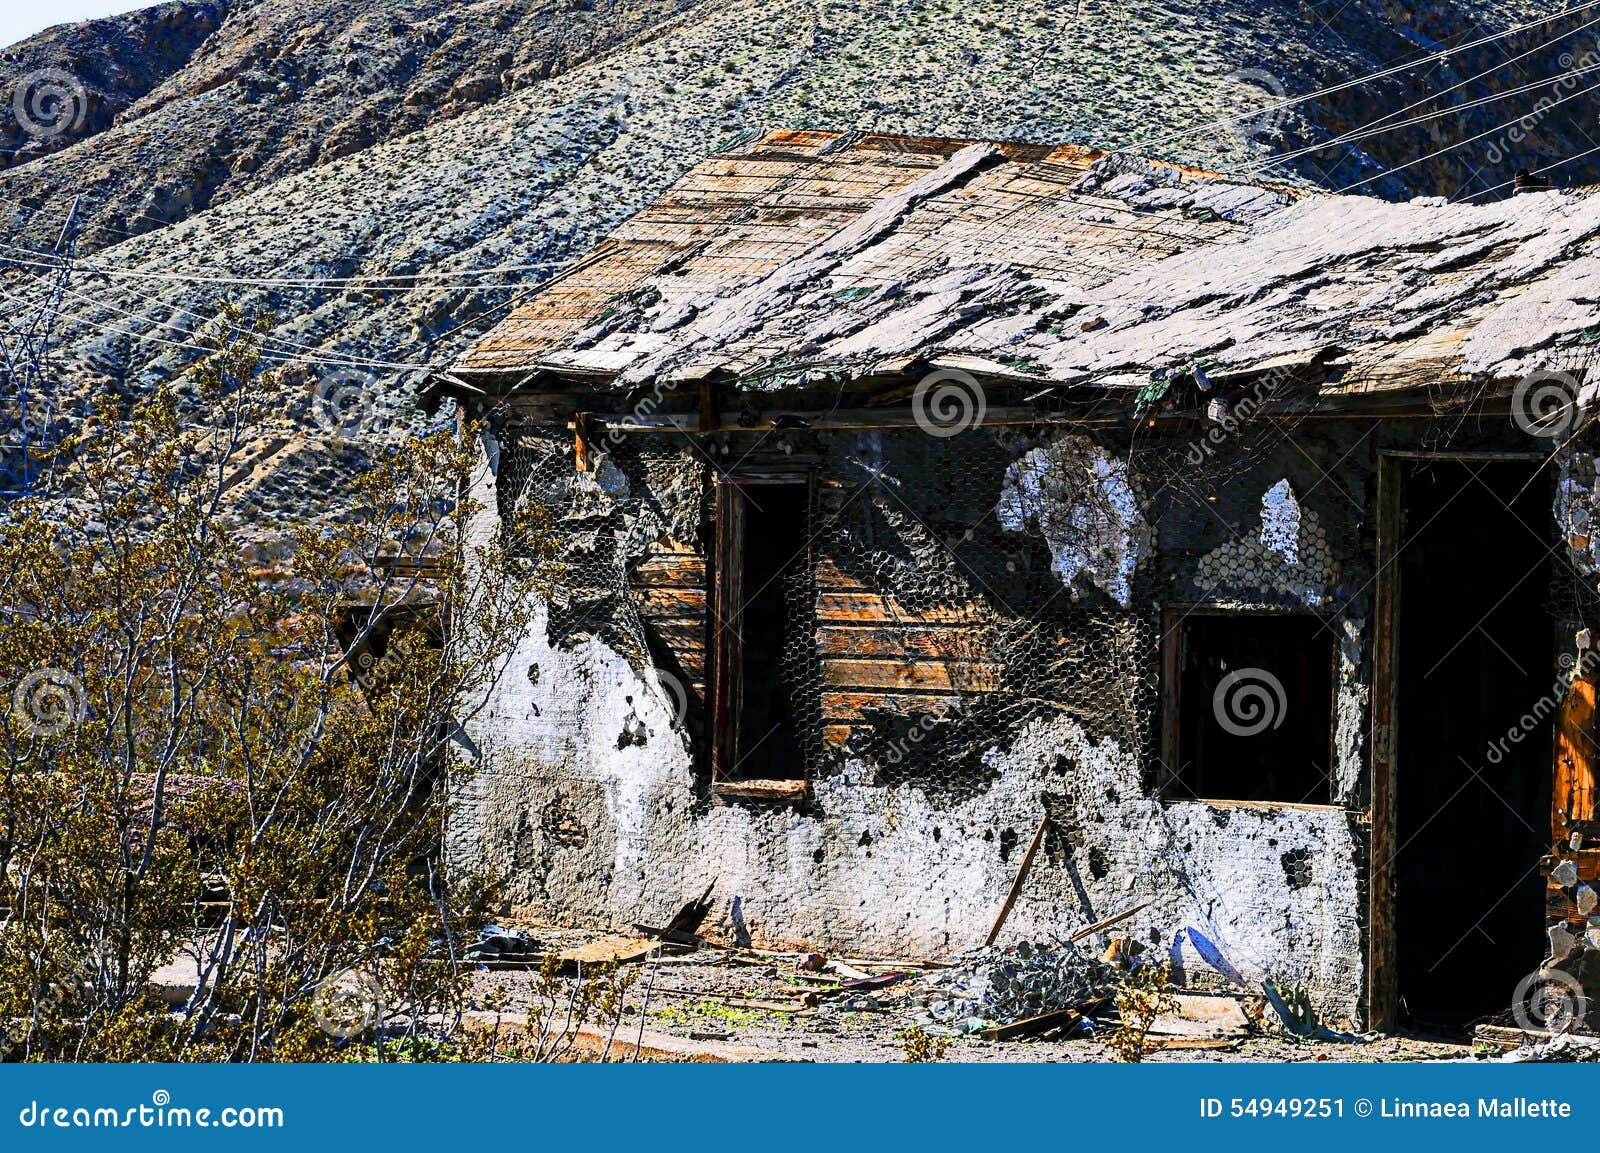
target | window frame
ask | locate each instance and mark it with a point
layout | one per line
(1168, 766)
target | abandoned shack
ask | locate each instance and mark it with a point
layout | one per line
(918, 495)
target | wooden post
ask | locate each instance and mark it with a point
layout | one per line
(1016, 885)
(1382, 952)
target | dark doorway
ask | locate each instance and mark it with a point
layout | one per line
(765, 627)
(1254, 707)
(1473, 665)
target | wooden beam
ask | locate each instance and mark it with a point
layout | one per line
(1383, 990)
(1016, 885)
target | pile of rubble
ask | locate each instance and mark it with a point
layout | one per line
(995, 985)
(496, 947)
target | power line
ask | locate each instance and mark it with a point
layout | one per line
(360, 283)
(1292, 101)
(1376, 128)
(1452, 147)
(1358, 132)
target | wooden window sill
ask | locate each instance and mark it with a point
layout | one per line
(756, 790)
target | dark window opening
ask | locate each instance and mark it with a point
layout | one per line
(1249, 708)
(762, 626)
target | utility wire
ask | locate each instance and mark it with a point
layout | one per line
(1292, 101)
(1377, 125)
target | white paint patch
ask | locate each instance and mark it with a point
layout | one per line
(1280, 522)
(1079, 498)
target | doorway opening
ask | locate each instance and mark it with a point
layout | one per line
(1472, 665)
(762, 575)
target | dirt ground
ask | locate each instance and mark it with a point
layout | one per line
(723, 1004)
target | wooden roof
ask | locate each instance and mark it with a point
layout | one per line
(815, 252)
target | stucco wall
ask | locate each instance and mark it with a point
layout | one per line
(590, 799)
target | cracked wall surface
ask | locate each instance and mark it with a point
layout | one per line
(591, 792)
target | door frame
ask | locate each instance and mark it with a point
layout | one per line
(1382, 984)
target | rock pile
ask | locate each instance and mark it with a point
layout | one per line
(995, 985)
(496, 946)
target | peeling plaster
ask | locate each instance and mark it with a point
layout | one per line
(1280, 523)
(1287, 554)
(1080, 499)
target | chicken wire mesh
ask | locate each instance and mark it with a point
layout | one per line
(925, 629)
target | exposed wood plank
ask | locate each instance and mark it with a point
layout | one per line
(830, 576)
(683, 603)
(870, 607)
(675, 570)
(928, 676)
(1382, 970)
(765, 790)
(1575, 757)
(1018, 881)
(682, 637)
(727, 654)
(928, 642)
(855, 707)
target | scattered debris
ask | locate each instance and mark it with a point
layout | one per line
(994, 985)
(500, 948)
(1565, 1047)
(1201, 1017)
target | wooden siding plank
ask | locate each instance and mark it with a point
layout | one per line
(923, 676)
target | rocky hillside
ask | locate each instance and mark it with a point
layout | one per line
(472, 148)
